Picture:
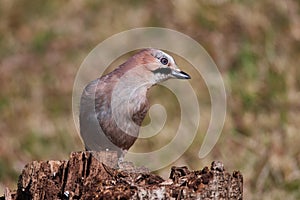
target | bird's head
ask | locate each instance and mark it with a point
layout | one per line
(158, 65)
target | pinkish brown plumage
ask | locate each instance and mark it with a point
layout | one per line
(113, 107)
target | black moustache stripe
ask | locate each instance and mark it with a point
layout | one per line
(162, 71)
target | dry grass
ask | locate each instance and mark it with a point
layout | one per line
(256, 45)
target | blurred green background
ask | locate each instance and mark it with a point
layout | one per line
(255, 44)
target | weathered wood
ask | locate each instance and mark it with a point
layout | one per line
(85, 177)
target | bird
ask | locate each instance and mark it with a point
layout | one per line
(113, 106)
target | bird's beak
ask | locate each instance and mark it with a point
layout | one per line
(176, 73)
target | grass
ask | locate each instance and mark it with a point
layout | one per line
(254, 43)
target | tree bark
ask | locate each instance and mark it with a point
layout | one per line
(93, 175)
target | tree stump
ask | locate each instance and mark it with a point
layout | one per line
(92, 175)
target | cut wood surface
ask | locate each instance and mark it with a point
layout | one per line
(94, 175)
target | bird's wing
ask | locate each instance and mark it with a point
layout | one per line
(91, 106)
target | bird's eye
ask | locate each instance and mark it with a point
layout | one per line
(164, 61)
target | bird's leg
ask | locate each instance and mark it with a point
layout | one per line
(123, 153)
(123, 164)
